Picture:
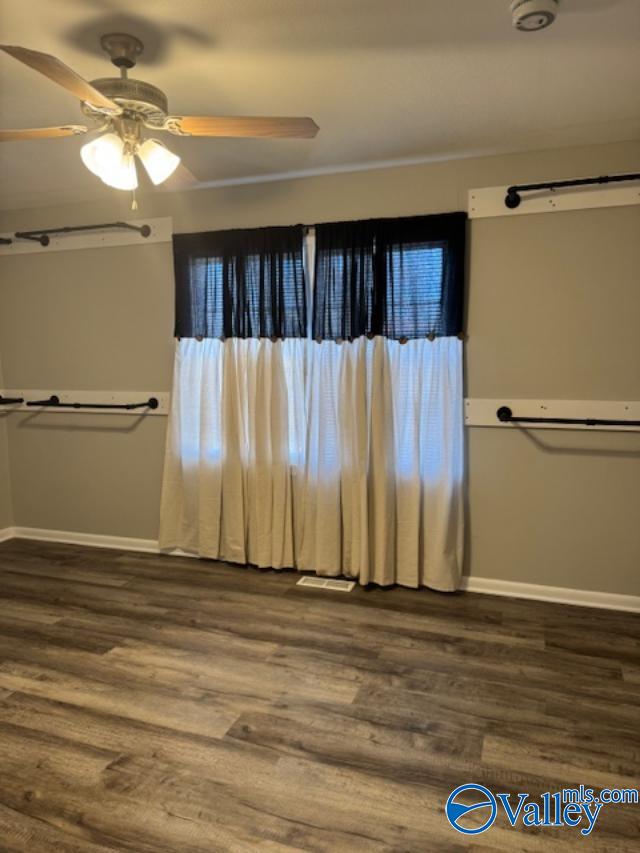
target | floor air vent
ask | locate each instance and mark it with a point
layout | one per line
(327, 583)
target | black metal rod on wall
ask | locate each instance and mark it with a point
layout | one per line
(50, 401)
(42, 235)
(8, 401)
(506, 416)
(5, 241)
(513, 199)
(37, 238)
(53, 402)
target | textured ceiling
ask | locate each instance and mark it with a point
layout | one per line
(384, 79)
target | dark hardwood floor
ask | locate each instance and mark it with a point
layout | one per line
(155, 703)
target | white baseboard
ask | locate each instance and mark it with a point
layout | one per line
(94, 540)
(556, 594)
(489, 586)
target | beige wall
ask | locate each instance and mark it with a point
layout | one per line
(553, 311)
(6, 504)
(6, 509)
(95, 318)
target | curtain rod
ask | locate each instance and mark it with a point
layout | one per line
(506, 416)
(41, 235)
(513, 198)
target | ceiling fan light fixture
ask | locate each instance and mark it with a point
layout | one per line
(159, 162)
(108, 158)
(123, 175)
(103, 153)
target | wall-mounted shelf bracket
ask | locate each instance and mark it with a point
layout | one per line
(555, 196)
(553, 414)
(101, 235)
(105, 402)
(42, 236)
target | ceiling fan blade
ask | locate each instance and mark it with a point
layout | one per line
(182, 179)
(263, 126)
(64, 76)
(43, 132)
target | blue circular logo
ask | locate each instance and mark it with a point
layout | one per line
(481, 798)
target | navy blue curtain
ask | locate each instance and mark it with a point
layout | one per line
(244, 284)
(401, 278)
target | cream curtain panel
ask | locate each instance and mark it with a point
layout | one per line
(343, 458)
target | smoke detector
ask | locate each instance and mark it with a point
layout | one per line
(532, 15)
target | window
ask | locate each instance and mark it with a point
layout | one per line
(240, 284)
(414, 279)
(401, 278)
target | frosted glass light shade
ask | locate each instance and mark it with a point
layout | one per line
(102, 154)
(114, 163)
(123, 175)
(106, 158)
(159, 162)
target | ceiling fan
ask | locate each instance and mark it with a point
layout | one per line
(122, 109)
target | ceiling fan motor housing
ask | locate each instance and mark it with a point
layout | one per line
(134, 96)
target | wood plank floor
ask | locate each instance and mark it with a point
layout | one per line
(153, 703)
